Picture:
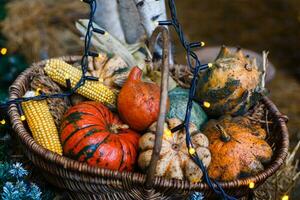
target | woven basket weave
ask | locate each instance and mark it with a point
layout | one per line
(82, 181)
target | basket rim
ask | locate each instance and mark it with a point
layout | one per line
(134, 177)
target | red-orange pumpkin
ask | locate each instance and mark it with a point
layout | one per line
(138, 101)
(91, 133)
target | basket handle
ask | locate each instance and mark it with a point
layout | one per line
(163, 31)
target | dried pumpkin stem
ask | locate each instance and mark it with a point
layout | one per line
(224, 135)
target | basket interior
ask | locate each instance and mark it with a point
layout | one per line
(276, 138)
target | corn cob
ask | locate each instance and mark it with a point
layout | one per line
(41, 124)
(59, 71)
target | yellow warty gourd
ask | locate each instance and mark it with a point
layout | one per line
(41, 124)
(59, 71)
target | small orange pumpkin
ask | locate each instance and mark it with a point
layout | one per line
(237, 147)
(138, 101)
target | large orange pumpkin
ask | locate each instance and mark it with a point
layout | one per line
(138, 101)
(91, 133)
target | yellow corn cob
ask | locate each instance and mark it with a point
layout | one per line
(41, 124)
(59, 71)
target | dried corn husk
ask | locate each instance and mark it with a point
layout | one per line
(57, 106)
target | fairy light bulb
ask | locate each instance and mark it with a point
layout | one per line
(192, 151)
(285, 197)
(206, 104)
(38, 91)
(23, 118)
(3, 51)
(2, 121)
(202, 44)
(251, 185)
(168, 133)
(209, 65)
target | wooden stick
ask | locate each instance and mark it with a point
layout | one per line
(130, 20)
(107, 16)
(163, 101)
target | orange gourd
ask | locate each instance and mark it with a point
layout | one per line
(238, 148)
(138, 101)
(91, 133)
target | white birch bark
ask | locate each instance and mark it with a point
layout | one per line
(107, 16)
(130, 21)
(264, 69)
(151, 12)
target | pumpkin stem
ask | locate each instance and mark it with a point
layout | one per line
(135, 74)
(225, 137)
(114, 128)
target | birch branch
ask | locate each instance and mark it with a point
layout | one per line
(151, 12)
(264, 69)
(130, 21)
(107, 16)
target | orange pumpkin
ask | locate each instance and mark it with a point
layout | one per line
(138, 101)
(91, 133)
(237, 148)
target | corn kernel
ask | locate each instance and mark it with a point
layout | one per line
(59, 70)
(41, 124)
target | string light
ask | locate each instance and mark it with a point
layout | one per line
(196, 68)
(251, 185)
(206, 104)
(3, 51)
(192, 151)
(3, 122)
(96, 30)
(23, 118)
(37, 92)
(168, 133)
(285, 197)
(195, 65)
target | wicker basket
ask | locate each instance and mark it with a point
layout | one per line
(82, 181)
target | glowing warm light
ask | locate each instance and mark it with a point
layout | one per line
(209, 65)
(202, 44)
(37, 92)
(192, 151)
(285, 197)
(23, 118)
(251, 185)
(3, 51)
(168, 133)
(206, 104)
(3, 121)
